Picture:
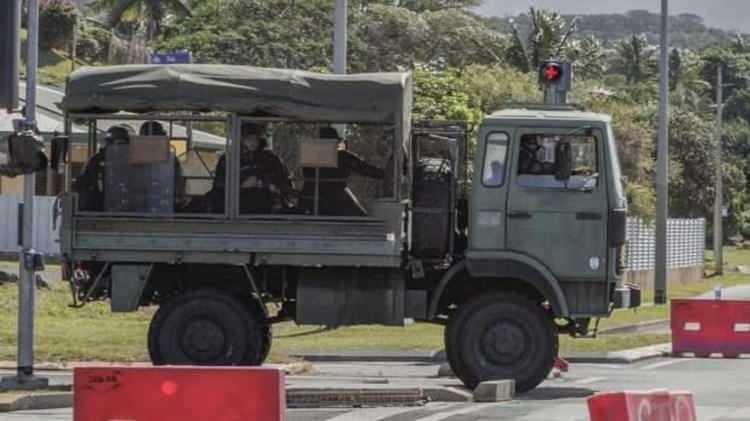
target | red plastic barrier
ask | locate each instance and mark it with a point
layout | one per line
(562, 364)
(682, 406)
(705, 327)
(659, 405)
(178, 394)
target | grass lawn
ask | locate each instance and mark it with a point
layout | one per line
(94, 333)
(54, 65)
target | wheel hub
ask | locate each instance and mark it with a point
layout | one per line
(503, 343)
(203, 340)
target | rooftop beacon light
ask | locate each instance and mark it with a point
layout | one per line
(555, 78)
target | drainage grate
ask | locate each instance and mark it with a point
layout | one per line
(337, 398)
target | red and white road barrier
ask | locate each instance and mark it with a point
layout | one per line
(178, 394)
(705, 327)
(658, 405)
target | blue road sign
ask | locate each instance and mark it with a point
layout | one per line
(174, 57)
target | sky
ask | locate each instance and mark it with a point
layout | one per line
(724, 14)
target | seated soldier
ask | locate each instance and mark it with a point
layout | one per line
(90, 183)
(264, 180)
(334, 196)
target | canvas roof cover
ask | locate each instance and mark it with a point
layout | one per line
(362, 98)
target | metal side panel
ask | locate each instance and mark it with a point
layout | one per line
(347, 296)
(275, 242)
(128, 282)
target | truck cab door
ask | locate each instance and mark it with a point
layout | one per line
(490, 191)
(561, 223)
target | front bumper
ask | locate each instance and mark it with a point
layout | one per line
(629, 296)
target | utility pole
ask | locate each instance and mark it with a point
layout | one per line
(662, 170)
(340, 41)
(25, 378)
(719, 200)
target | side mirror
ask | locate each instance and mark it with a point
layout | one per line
(26, 150)
(563, 161)
(59, 151)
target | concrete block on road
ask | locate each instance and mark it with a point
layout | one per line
(445, 370)
(495, 391)
(35, 401)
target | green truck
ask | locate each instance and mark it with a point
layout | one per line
(507, 249)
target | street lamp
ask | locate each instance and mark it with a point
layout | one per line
(25, 378)
(662, 169)
(340, 37)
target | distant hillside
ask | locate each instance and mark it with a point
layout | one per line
(724, 14)
(686, 30)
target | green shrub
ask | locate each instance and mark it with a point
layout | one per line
(57, 20)
(93, 43)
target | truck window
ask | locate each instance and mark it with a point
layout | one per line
(495, 157)
(314, 170)
(146, 167)
(536, 161)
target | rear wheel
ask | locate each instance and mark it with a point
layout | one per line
(501, 336)
(207, 327)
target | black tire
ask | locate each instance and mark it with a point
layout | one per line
(431, 226)
(267, 334)
(501, 336)
(206, 327)
(266, 331)
(450, 344)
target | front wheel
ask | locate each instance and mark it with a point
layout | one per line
(207, 327)
(501, 336)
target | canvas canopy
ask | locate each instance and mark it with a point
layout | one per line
(362, 98)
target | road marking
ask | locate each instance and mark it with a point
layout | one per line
(664, 363)
(589, 380)
(373, 414)
(610, 366)
(463, 411)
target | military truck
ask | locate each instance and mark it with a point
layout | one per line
(507, 250)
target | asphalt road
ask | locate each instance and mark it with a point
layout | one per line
(720, 388)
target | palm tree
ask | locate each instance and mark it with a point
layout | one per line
(588, 57)
(548, 35)
(634, 59)
(150, 13)
(685, 79)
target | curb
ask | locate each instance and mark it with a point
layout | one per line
(635, 327)
(291, 369)
(32, 401)
(429, 357)
(627, 356)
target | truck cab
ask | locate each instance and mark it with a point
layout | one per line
(523, 209)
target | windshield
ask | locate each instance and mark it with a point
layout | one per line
(616, 171)
(538, 160)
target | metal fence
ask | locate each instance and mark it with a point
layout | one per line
(686, 244)
(46, 239)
